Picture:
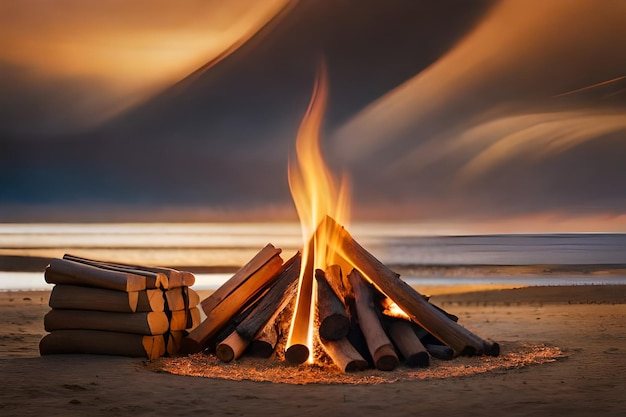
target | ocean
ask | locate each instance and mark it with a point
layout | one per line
(213, 248)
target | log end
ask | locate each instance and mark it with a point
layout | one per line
(385, 358)
(420, 359)
(492, 348)
(297, 354)
(224, 352)
(335, 327)
(356, 365)
(260, 349)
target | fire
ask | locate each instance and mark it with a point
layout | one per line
(316, 194)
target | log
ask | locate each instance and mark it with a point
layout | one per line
(334, 277)
(151, 323)
(102, 343)
(412, 302)
(154, 279)
(440, 351)
(180, 298)
(272, 303)
(73, 297)
(262, 258)
(334, 323)
(379, 345)
(193, 318)
(173, 340)
(231, 304)
(184, 319)
(151, 300)
(407, 342)
(62, 271)
(264, 343)
(344, 355)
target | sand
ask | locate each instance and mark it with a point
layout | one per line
(587, 324)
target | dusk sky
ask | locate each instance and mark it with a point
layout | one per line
(492, 116)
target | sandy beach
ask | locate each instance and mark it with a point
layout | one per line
(588, 324)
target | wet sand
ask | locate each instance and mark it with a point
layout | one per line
(588, 323)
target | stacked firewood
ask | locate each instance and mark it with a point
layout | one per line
(117, 309)
(367, 317)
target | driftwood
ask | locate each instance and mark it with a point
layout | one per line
(413, 303)
(334, 323)
(66, 272)
(272, 303)
(102, 343)
(228, 306)
(379, 345)
(152, 323)
(86, 298)
(261, 259)
(407, 342)
(344, 355)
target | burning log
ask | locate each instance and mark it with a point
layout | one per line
(378, 343)
(243, 288)
(334, 323)
(344, 355)
(270, 306)
(407, 342)
(413, 303)
(151, 323)
(73, 297)
(65, 272)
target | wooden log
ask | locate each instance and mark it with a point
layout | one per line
(334, 277)
(231, 304)
(264, 343)
(272, 303)
(334, 323)
(173, 339)
(74, 297)
(379, 345)
(184, 319)
(440, 351)
(412, 302)
(261, 259)
(407, 342)
(61, 271)
(150, 300)
(154, 279)
(180, 298)
(344, 355)
(151, 323)
(102, 343)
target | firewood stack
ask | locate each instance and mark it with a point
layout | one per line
(365, 318)
(117, 309)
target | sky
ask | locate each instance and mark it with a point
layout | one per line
(494, 116)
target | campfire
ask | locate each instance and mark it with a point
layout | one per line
(332, 298)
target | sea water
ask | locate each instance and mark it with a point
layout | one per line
(233, 244)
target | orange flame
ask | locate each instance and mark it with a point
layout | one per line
(316, 195)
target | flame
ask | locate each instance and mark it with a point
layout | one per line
(315, 194)
(391, 309)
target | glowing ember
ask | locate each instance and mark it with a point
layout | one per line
(316, 195)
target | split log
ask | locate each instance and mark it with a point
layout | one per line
(181, 298)
(231, 304)
(151, 300)
(173, 340)
(184, 319)
(378, 343)
(154, 279)
(74, 297)
(334, 323)
(344, 355)
(407, 342)
(269, 307)
(412, 302)
(261, 259)
(151, 323)
(102, 343)
(61, 271)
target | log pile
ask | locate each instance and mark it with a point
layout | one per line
(117, 309)
(355, 325)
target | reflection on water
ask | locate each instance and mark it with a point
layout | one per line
(233, 244)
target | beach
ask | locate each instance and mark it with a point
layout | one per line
(587, 323)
